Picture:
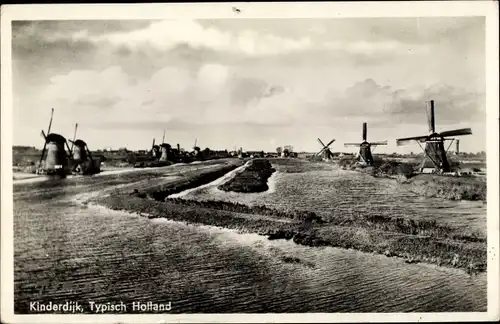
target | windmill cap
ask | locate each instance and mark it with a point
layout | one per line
(165, 145)
(53, 137)
(80, 142)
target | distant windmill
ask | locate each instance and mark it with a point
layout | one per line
(196, 149)
(54, 159)
(164, 149)
(81, 157)
(325, 150)
(155, 150)
(435, 154)
(365, 152)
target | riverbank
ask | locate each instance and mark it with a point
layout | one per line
(414, 241)
(422, 240)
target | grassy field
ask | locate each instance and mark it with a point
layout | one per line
(414, 240)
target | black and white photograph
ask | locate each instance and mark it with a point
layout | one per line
(253, 159)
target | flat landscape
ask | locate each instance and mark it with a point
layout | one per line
(317, 239)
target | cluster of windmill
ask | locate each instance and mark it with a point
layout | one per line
(434, 152)
(164, 154)
(56, 160)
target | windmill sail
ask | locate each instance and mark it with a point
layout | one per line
(352, 144)
(406, 140)
(457, 132)
(378, 143)
(430, 116)
(74, 138)
(50, 123)
(364, 132)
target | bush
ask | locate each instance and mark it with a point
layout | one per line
(405, 169)
(347, 162)
(389, 167)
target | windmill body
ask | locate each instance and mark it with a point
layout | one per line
(435, 154)
(82, 159)
(435, 158)
(79, 151)
(55, 158)
(164, 149)
(196, 148)
(155, 151)
(365, 147)
(365, 153)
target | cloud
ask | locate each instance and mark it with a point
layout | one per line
(168, 35)
(385, 105)
(215, 94)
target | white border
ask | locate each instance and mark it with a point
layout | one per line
(489, 9)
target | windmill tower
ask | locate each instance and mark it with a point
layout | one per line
(196, 149)
(82, 158)
(164, 148)
(365, 151)
(155, 150)
(435, 155)
(325, 152)
(54, 159)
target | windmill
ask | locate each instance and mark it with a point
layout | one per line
(435, 154)
(155, 150)
(54, 159)
(365, 151)
(82, 158)
(325, 150)
(164, 149)
(196, 149)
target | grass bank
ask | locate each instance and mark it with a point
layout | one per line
(189, 182)
(415, 241)
(252, 179)
(427, 185)
(459, 188)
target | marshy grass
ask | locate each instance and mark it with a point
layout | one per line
(415, 241)
(432, 186)
(463, 188)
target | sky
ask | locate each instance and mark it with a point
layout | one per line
(251, 83)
